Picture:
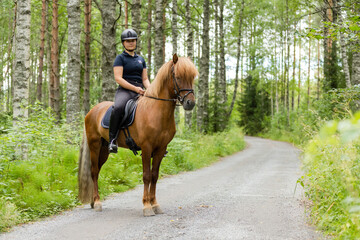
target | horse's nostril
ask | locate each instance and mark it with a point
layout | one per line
(188, 102)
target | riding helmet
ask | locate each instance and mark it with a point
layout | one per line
(128, 34)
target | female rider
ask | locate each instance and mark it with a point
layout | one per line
(131, 75)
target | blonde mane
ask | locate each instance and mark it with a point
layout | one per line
(184, 69)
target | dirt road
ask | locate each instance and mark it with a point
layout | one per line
(249, 195)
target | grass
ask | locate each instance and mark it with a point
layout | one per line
(332, 180)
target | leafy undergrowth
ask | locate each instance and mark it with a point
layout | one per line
(332, 180)
(38, 166)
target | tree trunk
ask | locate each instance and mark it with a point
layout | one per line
(149, 67)
(222, 82)
(237, 60)
(356, 56)
(87, 23)
(216, 79)
(74, 62)
(308, 77)
(136, 21)
(299, 82)
(293, 77)
(42, 47)
(159, 35)
(22, 62)
(126, 15)
(189, 52)
(287, 102)
(54, 77)
(203, 86)
(108, 49)
(343, 53)
(174, 32)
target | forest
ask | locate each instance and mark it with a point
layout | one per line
(280, 69)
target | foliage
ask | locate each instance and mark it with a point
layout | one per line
(42, 180)
(332, 180)
(254, 106)
(304, 123)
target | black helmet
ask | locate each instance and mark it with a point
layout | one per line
(128, 34)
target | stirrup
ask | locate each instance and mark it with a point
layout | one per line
(113, 147)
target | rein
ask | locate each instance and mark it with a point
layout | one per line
(177, 91)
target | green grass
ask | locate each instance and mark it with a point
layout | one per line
(332, 180)
(42, 181)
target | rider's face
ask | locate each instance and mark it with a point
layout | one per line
(130, 44)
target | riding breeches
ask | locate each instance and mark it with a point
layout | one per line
(122, 96)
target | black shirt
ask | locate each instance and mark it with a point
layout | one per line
(133, 67)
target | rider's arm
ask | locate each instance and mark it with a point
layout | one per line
(145, 79)
(118, 73)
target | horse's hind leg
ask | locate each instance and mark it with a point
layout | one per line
(95, 147)
(158, 156)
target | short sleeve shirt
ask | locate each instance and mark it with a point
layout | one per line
(133, 67)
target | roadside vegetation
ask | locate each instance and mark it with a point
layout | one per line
(329, 135)
(45, 181)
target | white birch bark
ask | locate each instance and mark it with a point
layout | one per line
(159, 36)
(22, 61)
(74, 62)
(203, 86)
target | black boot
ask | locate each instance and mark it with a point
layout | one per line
(113, 130)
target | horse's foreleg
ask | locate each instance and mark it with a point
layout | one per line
(94, 156)
(146, 159)
(158, 156)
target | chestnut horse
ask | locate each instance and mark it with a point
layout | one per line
(152, 130)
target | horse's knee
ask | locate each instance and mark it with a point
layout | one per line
(146, 177)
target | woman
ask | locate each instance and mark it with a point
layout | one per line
(131, 75)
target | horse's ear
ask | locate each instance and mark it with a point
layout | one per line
(175, 58)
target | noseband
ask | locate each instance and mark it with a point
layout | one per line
(177, 91)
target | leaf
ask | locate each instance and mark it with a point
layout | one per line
(354, 27)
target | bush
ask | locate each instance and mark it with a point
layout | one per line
(332, 180)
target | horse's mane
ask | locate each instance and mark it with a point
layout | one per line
(185, 70)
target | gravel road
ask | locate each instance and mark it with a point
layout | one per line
(249, 195)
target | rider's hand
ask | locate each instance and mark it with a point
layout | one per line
(140, 91)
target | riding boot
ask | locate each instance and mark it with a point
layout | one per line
(113, 130)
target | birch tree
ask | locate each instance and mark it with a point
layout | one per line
(203, 86)
(108, 12)
(22, 61)
(73, 64)
(159, 35)
(189, 51)
(222, 82)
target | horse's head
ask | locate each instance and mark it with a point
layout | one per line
(183, 75)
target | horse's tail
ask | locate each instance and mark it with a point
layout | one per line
(86, 185)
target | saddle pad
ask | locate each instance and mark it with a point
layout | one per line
(105, 122)
(129, 115)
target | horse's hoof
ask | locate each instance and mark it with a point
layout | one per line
(98, 207)
(92, 205)
(148, 212)
(157, 210)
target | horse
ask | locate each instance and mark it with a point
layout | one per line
(152, 130)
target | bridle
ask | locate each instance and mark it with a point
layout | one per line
(177, 91)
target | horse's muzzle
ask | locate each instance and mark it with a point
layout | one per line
(188, 104)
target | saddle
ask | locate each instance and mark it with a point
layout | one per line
(127, 121)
